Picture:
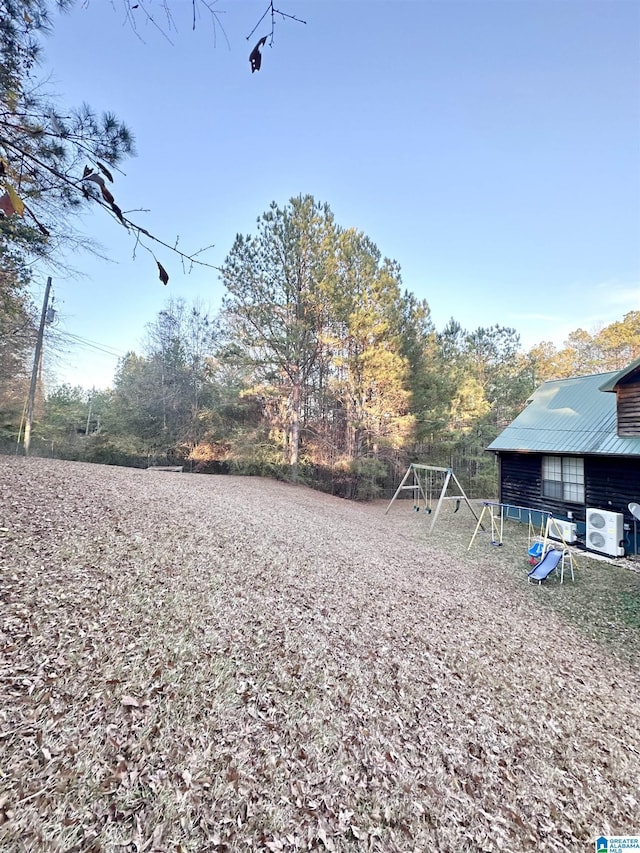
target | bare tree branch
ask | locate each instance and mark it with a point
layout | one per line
(271, 10)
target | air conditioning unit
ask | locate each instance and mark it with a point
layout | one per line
(605, 532)
(566, 531)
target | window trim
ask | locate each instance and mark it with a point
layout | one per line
(571, 479)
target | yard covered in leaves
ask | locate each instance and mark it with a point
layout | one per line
(199, 663)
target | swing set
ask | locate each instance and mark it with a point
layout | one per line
(425, 481)
(540, 547)
(499, 512)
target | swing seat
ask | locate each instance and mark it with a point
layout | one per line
(536, 550)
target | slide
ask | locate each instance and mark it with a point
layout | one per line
(546, 565)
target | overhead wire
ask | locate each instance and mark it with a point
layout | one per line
(86, 343)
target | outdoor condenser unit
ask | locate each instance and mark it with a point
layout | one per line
(605, 532)
(567, 531)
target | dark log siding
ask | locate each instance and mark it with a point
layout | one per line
(521, 485)
(611, 483)
(520, 482)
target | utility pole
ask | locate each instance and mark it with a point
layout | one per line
(31, 401)
(91, 393)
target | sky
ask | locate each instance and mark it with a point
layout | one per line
(490, 147)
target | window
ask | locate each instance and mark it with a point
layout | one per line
(563, 478)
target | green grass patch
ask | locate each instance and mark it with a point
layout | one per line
(630, 609)
(603, 601)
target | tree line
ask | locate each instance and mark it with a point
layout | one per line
(319, 367)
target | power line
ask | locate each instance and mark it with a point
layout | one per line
(77, 340)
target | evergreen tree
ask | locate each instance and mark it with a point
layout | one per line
(275, 309)
(18, 326)
(53, 162)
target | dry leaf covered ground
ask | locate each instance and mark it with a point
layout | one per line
(195, 663)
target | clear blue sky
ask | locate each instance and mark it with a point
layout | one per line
(491, 147)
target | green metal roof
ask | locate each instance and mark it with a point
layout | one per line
(610, 384)
(570, 416)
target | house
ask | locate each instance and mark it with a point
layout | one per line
(575, 449)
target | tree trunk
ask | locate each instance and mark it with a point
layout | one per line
(296, 396)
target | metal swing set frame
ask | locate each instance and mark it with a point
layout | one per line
(422, 478)
(539, 541)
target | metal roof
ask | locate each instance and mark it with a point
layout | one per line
(569, 416)
(610, 384)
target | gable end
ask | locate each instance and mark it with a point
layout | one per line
(628, 406)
